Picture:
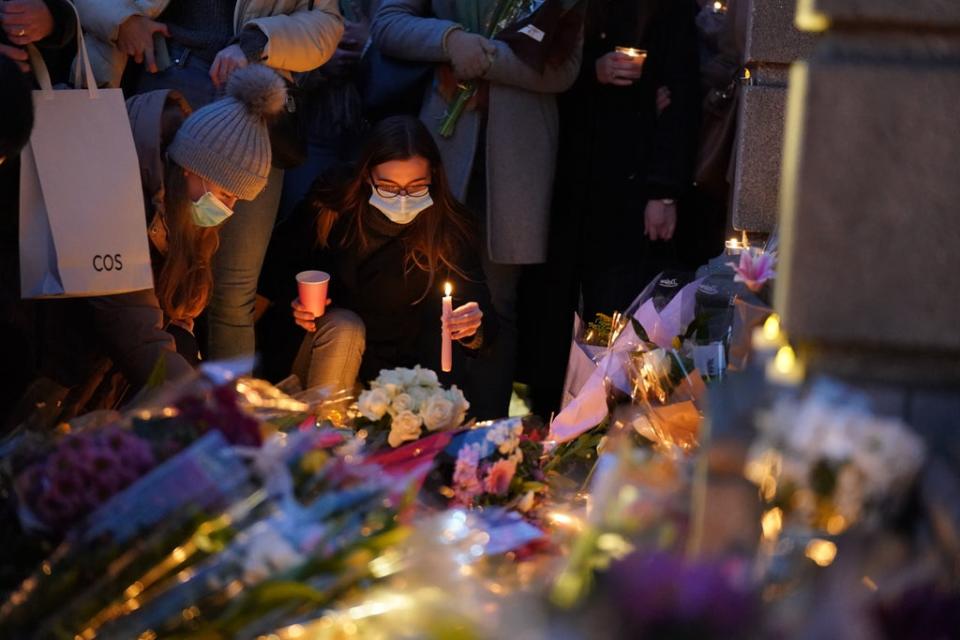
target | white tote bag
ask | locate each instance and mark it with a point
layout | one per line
(82, 221)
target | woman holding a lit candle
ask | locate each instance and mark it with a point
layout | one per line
(391, 236)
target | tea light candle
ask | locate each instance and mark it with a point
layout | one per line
(734, 247)
(785, 369)
(446, 345)
(632, 52)
(768, 338)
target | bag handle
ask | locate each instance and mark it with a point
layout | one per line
(83, 58)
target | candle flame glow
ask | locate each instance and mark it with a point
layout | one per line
(785, 360)
(821, 552)
(771, 523)
(447, 289)
(771, 328)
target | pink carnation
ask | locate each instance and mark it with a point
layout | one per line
(499, 476)
(754, 269)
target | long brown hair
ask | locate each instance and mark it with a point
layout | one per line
(185, 280)
(436, 237)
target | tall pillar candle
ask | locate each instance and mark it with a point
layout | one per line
(446, 346)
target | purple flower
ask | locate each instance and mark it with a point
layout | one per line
(754, 270)
(660, 595)
(82, 472)
(58, 510)
(923, 611)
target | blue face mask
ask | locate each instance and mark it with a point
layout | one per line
(209, 212)
(401, 209)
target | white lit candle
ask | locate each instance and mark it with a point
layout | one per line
(446, 346)
(733, 246)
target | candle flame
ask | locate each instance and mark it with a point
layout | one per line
(447, 289)
(771, 328)
(785, 360)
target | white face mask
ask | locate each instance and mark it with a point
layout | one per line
(208, 211)
(401, 209)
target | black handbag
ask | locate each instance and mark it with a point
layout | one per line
(288, 131)
(717, 132)
(391, 86)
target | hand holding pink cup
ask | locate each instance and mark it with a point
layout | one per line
(312, 286)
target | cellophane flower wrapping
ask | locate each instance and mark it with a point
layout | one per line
(131, 490)
(454, 578)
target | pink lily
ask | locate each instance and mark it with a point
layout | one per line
(754, 269)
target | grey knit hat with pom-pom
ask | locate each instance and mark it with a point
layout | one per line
(227, 141)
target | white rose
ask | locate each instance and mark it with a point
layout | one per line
(455, 396)
(425, 377)
(438, 412)
(403, 402)
(405, 426)
(390, 381)
(373, 404)
(407, 377)
(419, 395)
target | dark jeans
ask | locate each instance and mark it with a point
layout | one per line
(297, 181)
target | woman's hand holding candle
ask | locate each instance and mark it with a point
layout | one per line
(465, 321)
(619, 69)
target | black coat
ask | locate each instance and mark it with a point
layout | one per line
(399, 306)
(616, 153)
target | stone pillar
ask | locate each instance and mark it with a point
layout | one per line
(869, 269)
(772, 44)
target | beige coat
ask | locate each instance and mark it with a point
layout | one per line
(522, 126)
(301, 34)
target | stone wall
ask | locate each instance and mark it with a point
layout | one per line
(772, 44)
(869, 272)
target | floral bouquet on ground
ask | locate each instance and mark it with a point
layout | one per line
(827, 461)
(403, 405)
(826, 465)
(635, 498)
(455, 577)
(494, 464)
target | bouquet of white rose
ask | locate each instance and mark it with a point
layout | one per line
(406, 404)
(827, 461)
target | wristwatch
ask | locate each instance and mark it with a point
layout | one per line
(668, 201)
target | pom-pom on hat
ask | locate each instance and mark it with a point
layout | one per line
(227, 141)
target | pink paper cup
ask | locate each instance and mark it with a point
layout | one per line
(312, 286)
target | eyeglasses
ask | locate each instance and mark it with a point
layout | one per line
(389, 191)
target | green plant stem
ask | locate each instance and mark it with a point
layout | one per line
(464, 94)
